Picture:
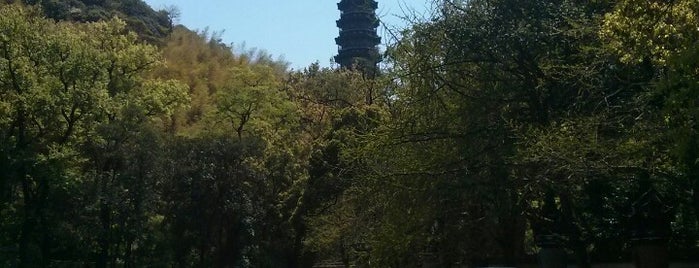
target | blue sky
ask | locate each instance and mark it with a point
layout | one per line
(302, 31)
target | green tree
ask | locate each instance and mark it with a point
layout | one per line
(60, 90)
(213, 196)
(661, 38)
(482, 85)
(336, 107)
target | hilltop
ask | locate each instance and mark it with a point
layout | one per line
(151, 25)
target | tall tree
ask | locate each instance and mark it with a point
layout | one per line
(60, 89)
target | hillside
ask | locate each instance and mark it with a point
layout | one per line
(151, 25)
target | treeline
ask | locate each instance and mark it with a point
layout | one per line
(149, 24)
(512, 121)
(118, 152)
(496, 122)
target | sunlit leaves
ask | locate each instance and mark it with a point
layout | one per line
(251, 99)
(656, 30)
(162, 97)
(67, 91)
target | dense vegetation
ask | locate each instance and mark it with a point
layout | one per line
(495, 122)
(150, 25)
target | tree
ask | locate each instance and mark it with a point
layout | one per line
(492, 94)
(60, 90)
(252, 101)
(662, 37)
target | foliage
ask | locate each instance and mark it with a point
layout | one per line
(494, 123)
(655, 30)
(63, 94)
(503, 103)
(151, 25)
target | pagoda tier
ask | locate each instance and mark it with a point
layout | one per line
(351, 5)
(358, 41)
(358, 20)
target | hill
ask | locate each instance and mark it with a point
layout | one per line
(151, 25)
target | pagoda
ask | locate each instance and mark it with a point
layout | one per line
(358, 41)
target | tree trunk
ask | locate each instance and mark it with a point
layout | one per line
(28, 256)
(128, 253)
(45, 245)
(512, 241)
(28, 226)
(103, 255)
(106, 222)
(572, 230)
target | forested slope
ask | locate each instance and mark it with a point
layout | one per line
(151, 25)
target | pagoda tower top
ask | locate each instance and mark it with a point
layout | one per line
(358, 41)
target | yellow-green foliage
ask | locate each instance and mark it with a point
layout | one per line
(222, 84)
(68, 77)
(656, 30)
(202, 65)
(150, 25)
(71, 95)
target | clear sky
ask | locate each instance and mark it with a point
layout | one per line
(302, 31)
